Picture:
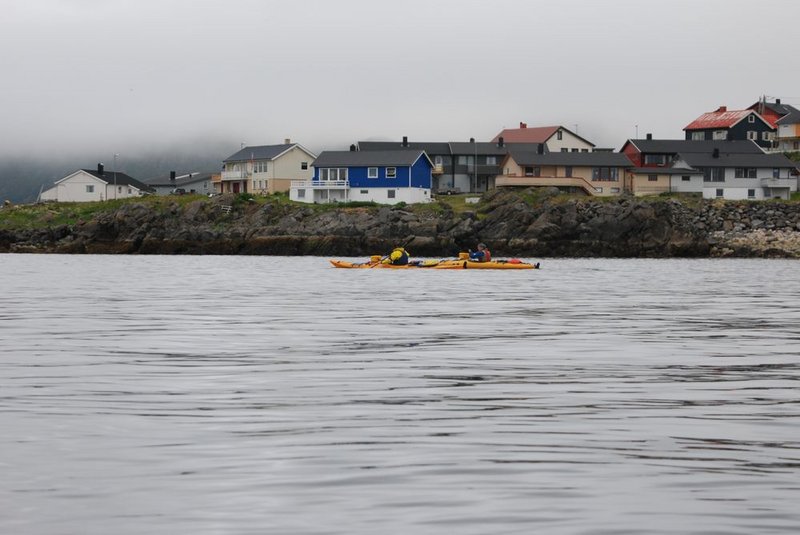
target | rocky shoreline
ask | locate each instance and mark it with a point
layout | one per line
(513, 223)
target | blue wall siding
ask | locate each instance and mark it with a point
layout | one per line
(420, 176)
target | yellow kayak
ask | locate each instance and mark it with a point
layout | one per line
(460, 263)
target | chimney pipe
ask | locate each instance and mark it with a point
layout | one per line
(777, 101)
(287, 141)
(523, 125)
(352, 148)
(715, 154)
(405, 141)
(649, 136)
(472, 140)
(500, 141)
(100, 169)
(172, 176)
(722, 109)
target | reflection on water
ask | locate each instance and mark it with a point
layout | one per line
(278, 395)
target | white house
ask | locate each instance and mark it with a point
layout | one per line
(555, 138)
(265, 168)
(201, 183)
(87, 185)
(742, 176)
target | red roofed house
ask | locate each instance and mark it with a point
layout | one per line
(722, 124)
(557, 138)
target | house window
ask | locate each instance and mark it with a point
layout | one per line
(776, 173)
(655, 159)
(437, 160)
(303, 165)
(584, 150)
(765, 136)
(719, 193)
(598, 190)
(372, 172)
(614, 190)
(529, 171)
(333, 173)
(685, 178)
(605, 174)
(751, 194)
(363, 191)
(564, 149)
(714, 174)
(260, 167)
(752, 135)
(491, 160)
(89, 188)
(720, 134)
(745, 172)
(652, 178)
(559, 135)
(391, 172)
(391, 194)
(130, 191)
(301, 194)
(796, 145)
(575, 150)
(462, 160)
(568, 171)
(698, 136)
(751, 118)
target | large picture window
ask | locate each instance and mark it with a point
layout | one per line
(605, 174)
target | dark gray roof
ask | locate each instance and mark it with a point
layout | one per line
(180, 180)
(696, 159)
(675, 146)
(261, 152)
(431, 148)
(367, 158)
(489, 148)
(792, 117)
(594, 159)
(120, 179)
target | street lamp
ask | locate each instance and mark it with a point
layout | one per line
(114, 170)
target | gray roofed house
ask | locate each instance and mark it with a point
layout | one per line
(431, 148)
(194, 182)
(709, 159)
(265, 169)
(87, 185)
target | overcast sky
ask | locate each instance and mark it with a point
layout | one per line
(120, 75)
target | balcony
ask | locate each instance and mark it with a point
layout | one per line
(234, 175)
(778, 182)
(438, 169)
(321, 184)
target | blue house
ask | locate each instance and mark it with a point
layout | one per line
(386, 177)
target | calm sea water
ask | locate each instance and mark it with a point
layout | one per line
(216, 395)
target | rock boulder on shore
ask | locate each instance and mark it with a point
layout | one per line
(509, 222)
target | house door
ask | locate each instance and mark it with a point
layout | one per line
(236, 187)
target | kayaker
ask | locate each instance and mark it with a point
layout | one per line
(398, 257)
(481, 255)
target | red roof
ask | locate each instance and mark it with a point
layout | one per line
(527, 135)
(722, 118)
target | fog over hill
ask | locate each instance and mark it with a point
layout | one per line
(22, 177)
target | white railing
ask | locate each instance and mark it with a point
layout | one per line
(234, 175)
(321, 184)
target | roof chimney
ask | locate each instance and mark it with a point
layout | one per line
(722, 109)
(523, 125)
(172, 176)
(100, 169)
(649, 136)
(352, 148)
(777, 101)
(500, 141)
(715, 154)
(287, 141)
(405, 141)
(472, 140)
